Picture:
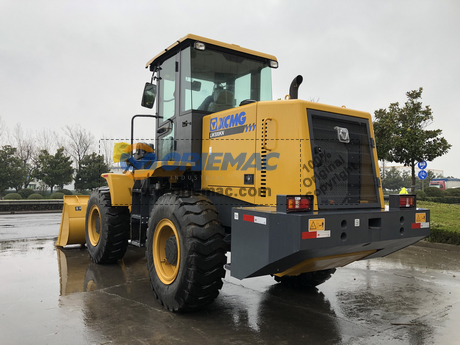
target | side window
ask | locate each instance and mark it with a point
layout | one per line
(167, 88)
(186, 81)
(243, 88)
(166, 144)
(266, 84)
(167, 106)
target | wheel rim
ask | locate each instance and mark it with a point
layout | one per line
(166, 271)
(94, 225)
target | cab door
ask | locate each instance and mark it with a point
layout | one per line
(167, 106)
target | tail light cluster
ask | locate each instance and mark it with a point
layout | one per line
(299, 203)
(294, 203)
(407, 201)
(402, 201)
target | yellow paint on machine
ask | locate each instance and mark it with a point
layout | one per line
(215, 175)
(281, 133)
(212, 42)
(324, 263)
(72, 229)
(121, 187)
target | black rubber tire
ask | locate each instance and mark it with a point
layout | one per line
(113, 228)
(306, 280)
(201, 250)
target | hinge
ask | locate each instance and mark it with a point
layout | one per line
(372, 142)
(177, 66)
(378, 182)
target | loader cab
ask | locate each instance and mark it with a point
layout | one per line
(196, 77)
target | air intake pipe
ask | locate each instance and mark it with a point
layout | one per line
(294, 88)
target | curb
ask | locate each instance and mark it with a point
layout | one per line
(442, 246)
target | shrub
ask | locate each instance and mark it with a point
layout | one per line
(451, 200)
(35, 196)
(453, 191)
(420, 194)
(25, 192)
(434, 192)
(57, 195)
(13, 196)
(83, 192)
(444, 199)
(65, 191)
(439, 235)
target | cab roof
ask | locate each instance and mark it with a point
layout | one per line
(205, 40)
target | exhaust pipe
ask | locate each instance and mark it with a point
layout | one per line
(294, 88)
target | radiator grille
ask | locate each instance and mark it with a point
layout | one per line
(342, 160)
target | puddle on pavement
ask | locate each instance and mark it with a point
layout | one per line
(63, 294)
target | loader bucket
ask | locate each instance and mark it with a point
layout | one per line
(72, 230)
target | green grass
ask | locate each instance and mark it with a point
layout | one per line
(444, 223)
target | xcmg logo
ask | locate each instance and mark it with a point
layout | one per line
(228, 121)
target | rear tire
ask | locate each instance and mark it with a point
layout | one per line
(306, 280)
(106, 228)
(185, 252)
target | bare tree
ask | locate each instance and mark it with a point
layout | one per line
(4, 139)
(106, 149)
(48, 140)
(79, 143)
(26, 149)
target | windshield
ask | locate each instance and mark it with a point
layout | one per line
(215, 81)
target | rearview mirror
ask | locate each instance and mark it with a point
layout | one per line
(148, 98)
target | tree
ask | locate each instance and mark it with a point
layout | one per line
(401, 135)
(3, 132)
(12, 174)
(106, 149)
(88, 176)
(79, 143)
(26, 150)
(54, 170)
(48, 139)
(392, 179)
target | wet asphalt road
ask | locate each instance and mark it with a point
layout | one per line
(54, 296)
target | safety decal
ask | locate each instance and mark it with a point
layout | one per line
(255, 219)
(423, 225)
(316, 224)
(420, 217)
(316, 234)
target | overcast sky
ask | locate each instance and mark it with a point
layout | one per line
(82, 62)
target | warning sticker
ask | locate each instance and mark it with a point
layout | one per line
(420, 217)
(316, 224)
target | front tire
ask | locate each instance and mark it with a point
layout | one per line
(185, 252)
(106, 228)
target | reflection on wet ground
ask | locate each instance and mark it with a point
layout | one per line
(36, 225)
(55, 296)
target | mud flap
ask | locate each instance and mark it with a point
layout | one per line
(72, 230)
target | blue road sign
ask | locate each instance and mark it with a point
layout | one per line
(422, 165)
(422, 174)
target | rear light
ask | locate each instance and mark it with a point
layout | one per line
(407, 201)
(402, 201)
(299, 203)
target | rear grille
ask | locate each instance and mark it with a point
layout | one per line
(342, 160)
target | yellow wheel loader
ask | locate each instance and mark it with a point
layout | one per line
(290, 187)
